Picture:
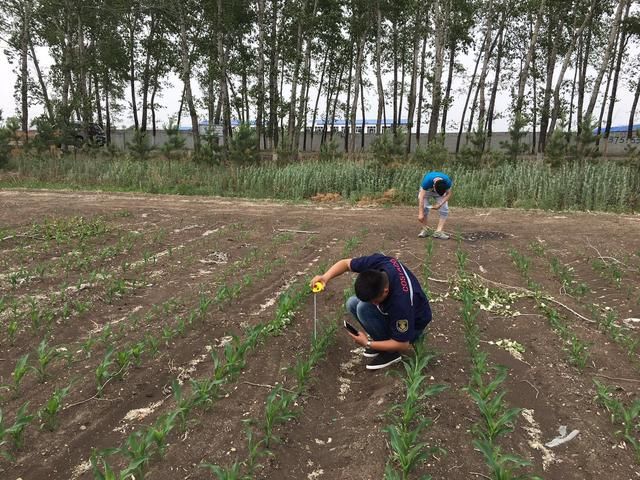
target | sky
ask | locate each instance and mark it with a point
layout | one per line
(170, 98)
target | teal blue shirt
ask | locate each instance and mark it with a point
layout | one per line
(427, 181)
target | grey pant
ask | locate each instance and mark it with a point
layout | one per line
(443, 211)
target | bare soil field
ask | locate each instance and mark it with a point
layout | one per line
(120, 307)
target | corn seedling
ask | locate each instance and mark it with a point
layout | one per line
(278, 409)
(48, 414)
(183, 404)
(502, 466)
(122, 361)
(23, 419)
(103, 372)
(45, 355)
(20, 371)
(205, 391)
(628, 418)
(350, 245)
(12, 329)
(231, 473)
(152, 343)
(405, 434)
(578, 352)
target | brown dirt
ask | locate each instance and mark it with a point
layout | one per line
(336, 434)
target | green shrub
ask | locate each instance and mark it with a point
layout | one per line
(387, 148)
(434, 155)
(139, 147)
(243, 147)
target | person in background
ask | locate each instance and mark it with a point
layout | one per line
(436, 186)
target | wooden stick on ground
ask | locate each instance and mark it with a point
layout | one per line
(294, 231)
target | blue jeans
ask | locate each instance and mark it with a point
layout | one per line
(374, 322)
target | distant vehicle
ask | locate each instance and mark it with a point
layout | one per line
(93, 134)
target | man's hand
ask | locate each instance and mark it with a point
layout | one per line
(361, 339)
(421, 217)
(318, 278)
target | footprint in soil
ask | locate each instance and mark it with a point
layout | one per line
(482, 235)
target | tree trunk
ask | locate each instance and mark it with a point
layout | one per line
(605, 61)
(402, 73)
(394, 126)
(273, 80)
(485, 68)
(614, 89)
(471, 85)
(107, 110)
(315, 108)
(304, 87)
(565, 65)
(97, 98)
(347, 117)
(414, 81)
(295, 75)
(43, 85)
(436, 94)
(447, 93)
(421, 90)
(524, 72)
(494, 87)
(335, 99)
(363, 111)
(132, 71)
(546, 102)
(146, 73)
(379, 67)
(226, 120)
(186, 78)
(632, 113)
(260, 73)
(582, 80)
(24, 66)
(356, 87)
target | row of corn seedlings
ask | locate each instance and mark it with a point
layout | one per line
(280, 407)
(115, 363)
(626, 417)
(143, 445)
(406, 432)
(566, 276)
(486, 385)
(608, 321)
(577, 349)
(485, 388)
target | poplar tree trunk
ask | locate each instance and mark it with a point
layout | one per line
(485, 67)
(447, 93)
(421, 90)
(224, 95)
(565, 65)
(24, 67)
(260, 73)
(524, 72)
(471, 85)
(632, 113)
(273, 80)
(43, 85)
(614, 89)
(186, 78)
(379, 68)
(320, 85)
(605, 61)
(494, 87)
(413, 85)
(295, 75)
(146, 74)
(132, 71)
(436, 95)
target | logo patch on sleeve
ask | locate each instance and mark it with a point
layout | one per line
(402, 325)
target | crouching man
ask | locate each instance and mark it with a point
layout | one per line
(389, 304)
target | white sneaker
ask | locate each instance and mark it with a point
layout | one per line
(424, 233)
(441, 235)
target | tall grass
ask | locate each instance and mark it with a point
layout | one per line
(604, 186)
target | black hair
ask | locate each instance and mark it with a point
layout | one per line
(440, 187)
(370, 284)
